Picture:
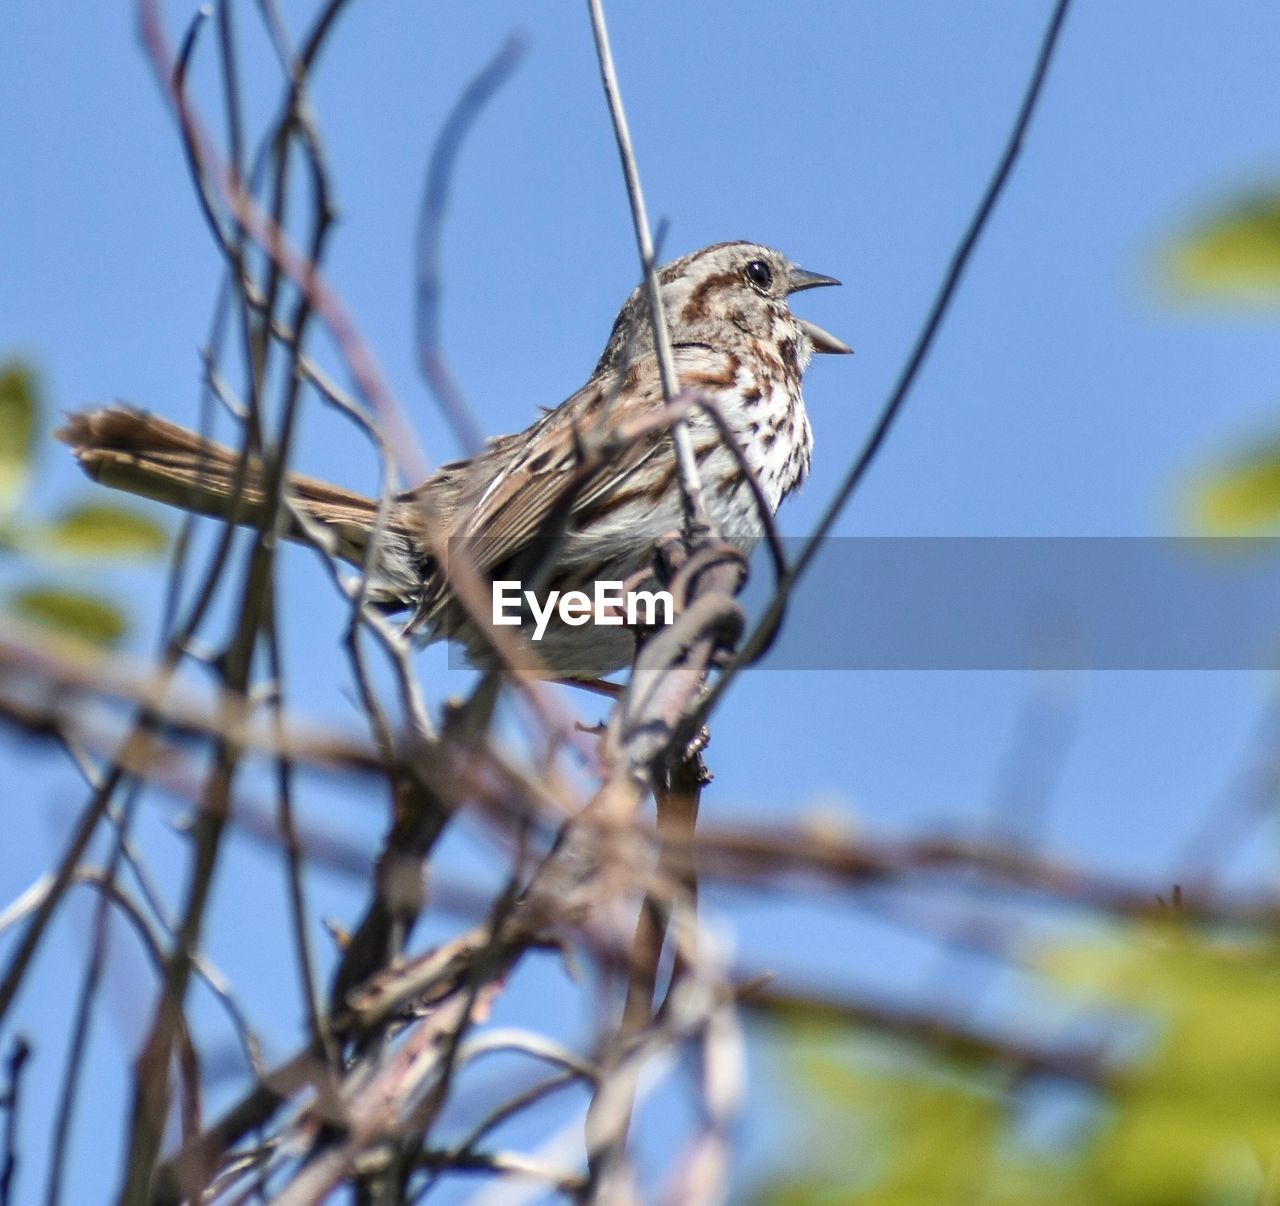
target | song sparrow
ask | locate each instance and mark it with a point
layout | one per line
(733, 336)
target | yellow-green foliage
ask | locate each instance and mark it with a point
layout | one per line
(79, 533)
(1233, 255)
(1191, 1117)
(1241, 495)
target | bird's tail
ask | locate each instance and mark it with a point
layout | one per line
(142, 454)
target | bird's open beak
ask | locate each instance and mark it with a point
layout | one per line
(799, 279)
(824, 341)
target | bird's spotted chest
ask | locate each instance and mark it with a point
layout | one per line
(767, 411)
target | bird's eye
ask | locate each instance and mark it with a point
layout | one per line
(760, 274)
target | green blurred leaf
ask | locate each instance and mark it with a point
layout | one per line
(887, 1125)
(19, 411)
(12, 539)
(104, 530)
(71, 613)
(1242, 496)
(1191, 1119)
(1234, 255)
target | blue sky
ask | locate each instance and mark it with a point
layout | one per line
(1067, 395)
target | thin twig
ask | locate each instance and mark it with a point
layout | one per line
(151, 1081)
(762, 635)
(11, 1103)
(77, 1045)
(435, 197)
(1086, 1065)
(301, 271)
(696, 519)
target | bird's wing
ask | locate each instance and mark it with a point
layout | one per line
(517, 494)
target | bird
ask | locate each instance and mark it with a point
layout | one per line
(734, 340)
